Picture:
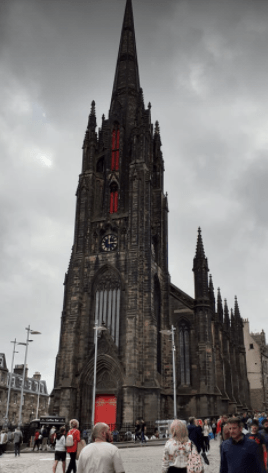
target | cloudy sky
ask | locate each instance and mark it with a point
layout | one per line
(203, 66)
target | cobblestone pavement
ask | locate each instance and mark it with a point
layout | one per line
(139, 459)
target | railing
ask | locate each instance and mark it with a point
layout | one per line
(126, 432)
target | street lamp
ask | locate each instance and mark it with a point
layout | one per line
(32, 332)
(172, 333)
(37, 404)
(10, 382)
(96, 328)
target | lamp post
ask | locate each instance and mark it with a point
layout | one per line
(10, 382)
(172, 333)
(96, 328)
(37, 404)
(32, 332)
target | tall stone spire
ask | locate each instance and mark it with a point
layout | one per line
(200, 269)
(211, 293)
(226, 315)
(126, 81)
(219, 306)
(236, 310)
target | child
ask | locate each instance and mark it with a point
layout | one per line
(60, 450)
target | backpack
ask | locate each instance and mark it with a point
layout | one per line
(69, 440)
(194, 463)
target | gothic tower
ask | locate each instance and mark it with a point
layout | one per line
(118, 271)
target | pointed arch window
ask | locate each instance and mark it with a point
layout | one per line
(107, 304)
(115, 150)
(113, 198)
(184, 335)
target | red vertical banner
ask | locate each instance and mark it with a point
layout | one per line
(111, 202)
(105, 410)
(117, 139)
(116, 201)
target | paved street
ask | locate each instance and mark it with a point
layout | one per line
(138, 459)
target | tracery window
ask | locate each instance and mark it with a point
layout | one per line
(115, 150)
(113, 198)
(184, 353)
(107, 303)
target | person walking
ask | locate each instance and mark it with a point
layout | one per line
(195, 433)
(259, 439)
(100, 456)
(178, 449)
(36, 440)
(18, 437)
(143, 431)
(44, 433)
(206, 432)
(137, 431)
(60, 450)
(74, 436)
(239, 454)
(214, 427)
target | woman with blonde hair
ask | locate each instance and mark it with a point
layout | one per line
(73, 437)
(177, 449)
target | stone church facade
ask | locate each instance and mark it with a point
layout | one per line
(118, 275)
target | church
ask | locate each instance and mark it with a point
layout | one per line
(118, 279)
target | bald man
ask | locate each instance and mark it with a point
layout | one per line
(100, 456)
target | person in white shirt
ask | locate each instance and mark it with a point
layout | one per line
(60, 450)
(100, 456)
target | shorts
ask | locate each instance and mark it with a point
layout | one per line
(60, 456)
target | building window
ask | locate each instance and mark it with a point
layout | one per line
(100, 165)
(107, 303)
(184, 354)
(251, 346)
(15, 398)
(113, 198)
(115, 150)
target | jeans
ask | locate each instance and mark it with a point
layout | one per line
(17, 448)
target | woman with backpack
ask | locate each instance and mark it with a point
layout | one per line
(60, 450)
(180, 454)
(73, 437)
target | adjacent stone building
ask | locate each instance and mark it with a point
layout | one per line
(35, 392)
(257, 367)
(118, 275)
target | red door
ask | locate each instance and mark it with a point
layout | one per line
(105, 410)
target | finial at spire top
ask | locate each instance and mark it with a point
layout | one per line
(211, 282)
(200, 253)
(157, 128)
(236, 308)
(93, 109)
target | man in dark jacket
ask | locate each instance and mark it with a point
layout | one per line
(239, 454)
(195, 434)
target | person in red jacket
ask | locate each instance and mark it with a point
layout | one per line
(74, 424)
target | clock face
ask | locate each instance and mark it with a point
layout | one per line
(109, 243)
